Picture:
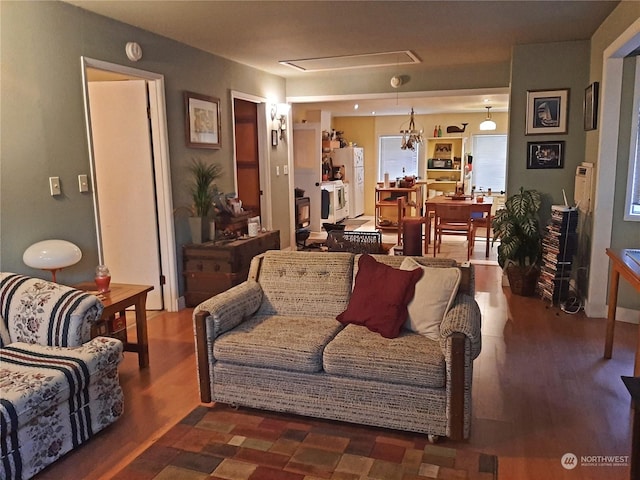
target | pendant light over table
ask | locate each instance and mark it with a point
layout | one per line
(488, 124)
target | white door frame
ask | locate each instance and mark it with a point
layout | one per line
(263, 155)
(160, 141)
(613, 57)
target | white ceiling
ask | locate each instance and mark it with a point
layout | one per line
(440, 33)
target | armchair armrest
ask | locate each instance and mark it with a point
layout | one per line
(47, 313)
(217, 315)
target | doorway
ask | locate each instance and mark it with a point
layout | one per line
(251, 156)
(142, 180)
(247, 158)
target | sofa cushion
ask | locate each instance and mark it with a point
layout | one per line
(275, 341)
(305, 283)
(408, 359)
(435, 293)
(34, 378)
(380, 297)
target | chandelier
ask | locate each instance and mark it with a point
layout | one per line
(410, 136)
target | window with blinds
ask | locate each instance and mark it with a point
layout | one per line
(392, 159)
(489, 162)
(632, 202)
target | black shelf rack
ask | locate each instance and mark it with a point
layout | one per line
(559, 245)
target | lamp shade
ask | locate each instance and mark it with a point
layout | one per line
(52, 255)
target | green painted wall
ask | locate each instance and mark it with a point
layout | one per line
(550, 66)
(43, 123)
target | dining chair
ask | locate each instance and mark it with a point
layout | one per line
(453, 220)
(410, 231)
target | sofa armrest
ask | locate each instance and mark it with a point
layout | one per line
(217, 315)
(228, 309)
(463, 317)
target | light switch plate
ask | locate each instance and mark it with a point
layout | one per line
(54, 186)
(83, 184)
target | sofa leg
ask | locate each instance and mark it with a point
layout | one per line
(433, 439)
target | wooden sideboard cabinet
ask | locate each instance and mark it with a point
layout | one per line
(213, 267)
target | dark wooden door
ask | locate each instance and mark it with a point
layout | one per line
(247, 161)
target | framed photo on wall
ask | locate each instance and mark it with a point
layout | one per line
(545, 154)
(547, 111)
(591, 106)
(202, 120)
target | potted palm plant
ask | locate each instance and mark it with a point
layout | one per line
(203, 190)
(517, 225)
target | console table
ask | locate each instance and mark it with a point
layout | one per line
(211, 268)
(623, 262)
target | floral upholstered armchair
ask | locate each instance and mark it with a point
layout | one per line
(58, 387)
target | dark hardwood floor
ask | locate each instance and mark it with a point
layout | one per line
(541, 389)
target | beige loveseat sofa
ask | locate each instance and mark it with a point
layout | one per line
(274, 343)
(58, 387)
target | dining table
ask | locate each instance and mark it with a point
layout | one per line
(478, 204)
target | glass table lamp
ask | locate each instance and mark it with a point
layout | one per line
(52, 255)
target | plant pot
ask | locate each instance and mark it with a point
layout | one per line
(522, 280)
(199, 229)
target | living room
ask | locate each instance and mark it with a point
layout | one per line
(44, 134)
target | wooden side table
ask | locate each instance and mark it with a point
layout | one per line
(633, 385)
(116, 301)
(623, 263)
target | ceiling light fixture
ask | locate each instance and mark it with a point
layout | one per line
(488, 124)
(410, 136)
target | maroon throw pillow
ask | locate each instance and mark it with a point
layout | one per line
(380, 297)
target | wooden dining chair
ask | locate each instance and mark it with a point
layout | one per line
(453, 220)
(410, 230)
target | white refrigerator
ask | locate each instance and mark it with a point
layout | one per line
(353, 160)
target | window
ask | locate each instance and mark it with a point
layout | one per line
(489, 162)
(632, 202)
(394, 161)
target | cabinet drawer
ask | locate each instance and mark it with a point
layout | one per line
(208, 265)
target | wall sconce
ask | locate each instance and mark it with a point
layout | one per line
(279, 118)
(283, 112)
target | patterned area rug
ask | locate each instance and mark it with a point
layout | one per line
(220, 442)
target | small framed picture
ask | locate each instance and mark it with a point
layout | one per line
(591, 106)
(545, 154)
(274, 138)
(547, 111)
(202, 120)
(442, 150)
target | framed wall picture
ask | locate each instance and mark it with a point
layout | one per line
(591, 106)
(202, 120)
(547, 111)
(545, 154)
(442, 150)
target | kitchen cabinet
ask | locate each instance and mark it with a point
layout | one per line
(213, 267)
(445, 164)
(386, 209)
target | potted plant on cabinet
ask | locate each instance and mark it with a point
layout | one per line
(203, 190)
(517, 225)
